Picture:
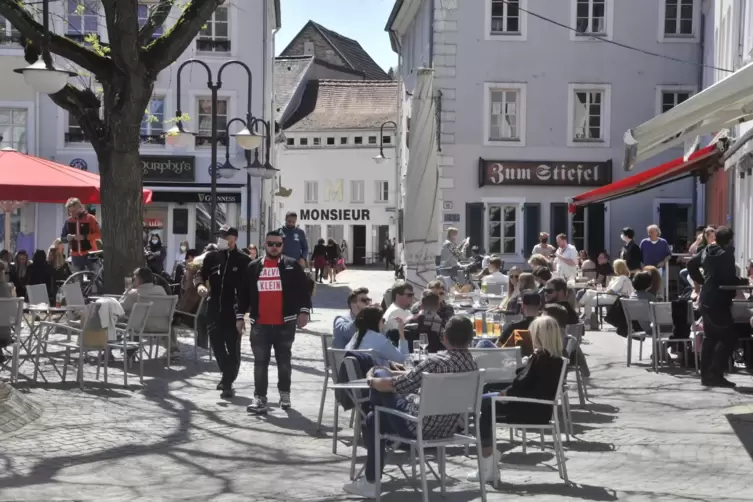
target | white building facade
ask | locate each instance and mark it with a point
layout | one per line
(533, 113)
(179, 178)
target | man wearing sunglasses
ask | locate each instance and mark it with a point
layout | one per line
(344, 326)
(276, 295)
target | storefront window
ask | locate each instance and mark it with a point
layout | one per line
(502, 223)
(313, 234)
(336, 232)
(204, 225)
(15, 228)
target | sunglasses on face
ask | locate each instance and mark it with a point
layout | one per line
(365, 300)
(274, 244)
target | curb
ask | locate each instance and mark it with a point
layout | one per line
(16, 410)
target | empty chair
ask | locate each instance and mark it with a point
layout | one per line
(73, 294)
(661, 331)
(11, 320)
(159, 323)
(635, 311)
(37, 294)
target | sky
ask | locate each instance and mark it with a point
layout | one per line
(361, 20)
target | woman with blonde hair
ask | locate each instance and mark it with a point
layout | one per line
(539, 260)
(539, 379)
(619, 286)
(656, 280)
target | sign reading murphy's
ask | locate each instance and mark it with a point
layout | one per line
(524, 172)
(168, 168)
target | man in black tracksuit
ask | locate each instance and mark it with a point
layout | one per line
(718, 263)
(276, 294)
(220, 278)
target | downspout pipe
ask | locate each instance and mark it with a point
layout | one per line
(697, 184)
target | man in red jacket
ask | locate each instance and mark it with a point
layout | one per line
(81, 231)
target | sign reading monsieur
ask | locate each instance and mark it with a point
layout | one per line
(168, 168)
(523, 172)
(335, 214)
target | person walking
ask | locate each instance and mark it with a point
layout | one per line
(81, 231)
(333, 256)
(220, 279)
(276, 296)
(344, 251)
(296, 245)
(718, 264)
(319, 257)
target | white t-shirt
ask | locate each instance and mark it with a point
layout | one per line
(495, 278)
(391, 314)
(565, 270)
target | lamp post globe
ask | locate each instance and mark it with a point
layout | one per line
(227, 170)
(178, 136)
(247, 140)
(379, 158)
(43, 79)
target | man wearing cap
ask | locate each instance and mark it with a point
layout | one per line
(219, 279)
(296, 245)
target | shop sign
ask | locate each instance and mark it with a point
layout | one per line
(168, 168)
(451, 217)
(195, 197)
(335, 214)
(79, 164)
(520, 172)
(153, 223)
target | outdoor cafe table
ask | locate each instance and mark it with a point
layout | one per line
(37, 337)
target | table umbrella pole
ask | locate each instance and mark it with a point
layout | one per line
(7, 218)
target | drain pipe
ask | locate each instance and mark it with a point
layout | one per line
(699, 213)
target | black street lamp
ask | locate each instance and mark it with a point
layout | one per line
(380, 158)
(179, 136)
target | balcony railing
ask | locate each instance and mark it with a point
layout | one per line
(75, 137)
(213, 45)
(206, 139)
(153, 139)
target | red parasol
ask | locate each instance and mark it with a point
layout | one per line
(33, 179)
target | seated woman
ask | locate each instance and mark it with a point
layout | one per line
(537, 380)
(619, 286)
(369, 325)
(587, 266)
(523, 282)
(656, 281)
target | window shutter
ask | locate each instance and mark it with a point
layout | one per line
(558, 219)
(531, 227)
(595, 218)
(474, 224)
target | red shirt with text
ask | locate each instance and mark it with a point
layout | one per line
(270, 293)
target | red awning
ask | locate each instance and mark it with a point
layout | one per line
(33, 179)
(668, 172)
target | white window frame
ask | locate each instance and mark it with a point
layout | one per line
(695, 37)
(521, 36)
(220, 128)
(379, 191)
(519, 223)
(606, 115)
(150, 125)
(211, 23)
(661, 89)
(308, 188)
(70, 29)
(357, 191)
(506, 86)
(149, 4)
(586, 37)
(27, 107)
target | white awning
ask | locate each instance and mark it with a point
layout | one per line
(726, 103)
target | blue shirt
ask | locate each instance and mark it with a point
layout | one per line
(343, 330)
(382, 350)
(294, 243)
(654, 253)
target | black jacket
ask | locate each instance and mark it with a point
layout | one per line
(296, 293)
(718, 270)
(631, 253)
(537, 380)
(222, 271)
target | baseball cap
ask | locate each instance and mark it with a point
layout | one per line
(226, 230)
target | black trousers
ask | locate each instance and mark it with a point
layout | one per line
(719, 341)
(263, 339)
(226, 344)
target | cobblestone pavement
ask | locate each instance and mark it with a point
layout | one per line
(645, 436)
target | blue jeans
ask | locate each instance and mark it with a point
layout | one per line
(388, 424)
(485, 426)
(80, 263)
(684, 282)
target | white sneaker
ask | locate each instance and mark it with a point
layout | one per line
(488, 466)
(361, 488)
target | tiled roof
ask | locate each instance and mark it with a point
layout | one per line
(345, 104)
(352, 52)
(289, 71)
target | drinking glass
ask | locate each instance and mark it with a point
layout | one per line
(479, 323)
(497, 325)
(423, 341)
(489, 324)
(416, 346)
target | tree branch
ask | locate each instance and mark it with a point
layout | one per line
(168, 48)
(157, 18)
(31, 30)
(84, 105)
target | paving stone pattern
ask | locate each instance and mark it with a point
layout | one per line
(644, 436)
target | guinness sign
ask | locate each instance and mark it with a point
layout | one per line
(335, 214)
(519, 172)
(168, 168)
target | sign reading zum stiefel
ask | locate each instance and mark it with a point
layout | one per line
(531, 173)
(168, 168)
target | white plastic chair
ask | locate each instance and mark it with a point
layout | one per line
(661, 317)
(553, 425)
(465, 388)
(132, 339)
(37, 294)
(326, 344)
(159, 323)
(11, 319)
(73, 294)
(335, 358)
(635, 311)
(501, 365)
(577, 331)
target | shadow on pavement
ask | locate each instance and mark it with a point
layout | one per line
(742, 425)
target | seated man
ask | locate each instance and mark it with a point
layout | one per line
(344, 326)
(143, 285)
(428, 321)
(445, 311)
(400, 391)
(556, 291)
(402, 299)
(496, 278)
